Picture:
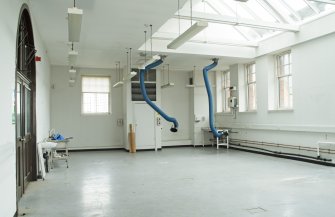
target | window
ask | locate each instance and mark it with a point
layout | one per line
(284, 80)
(226, 91)
(251, 86)
(95, 95)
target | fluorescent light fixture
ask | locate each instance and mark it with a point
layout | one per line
(72, 82)
(153, 59)
(188, 34)
(170, 84)
(129, 76)
(74, 18)
(118, 84)
(72, 73)
(72, 57)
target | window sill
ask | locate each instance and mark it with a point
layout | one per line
(96, 114)
(225, 113)
(247, 112)
(279, 110)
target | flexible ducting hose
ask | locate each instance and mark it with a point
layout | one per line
(210, 98)
(174, 128)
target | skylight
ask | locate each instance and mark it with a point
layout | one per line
(241, 22)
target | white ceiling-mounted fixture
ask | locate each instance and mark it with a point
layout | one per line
(241, 0)
(130, 73)
(152, 60)
(74, 20)
(168, 84)
(188, 34)
(129, 76)
(118, 70)
(72, 57)
(72, 71)
(72, 82)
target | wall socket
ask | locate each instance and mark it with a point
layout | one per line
(119, 122)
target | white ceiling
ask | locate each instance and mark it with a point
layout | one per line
(108, 28)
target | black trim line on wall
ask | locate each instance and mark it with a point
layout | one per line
(325, 163)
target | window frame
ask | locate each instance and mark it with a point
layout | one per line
(280, 75)
(225, 90)
(248, 83)
(109, 96)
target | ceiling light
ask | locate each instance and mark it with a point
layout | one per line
(170, 84)
(74, 19)
(118, 84)
(129, 76)
(72, 57)
(188, 34)
(152, 60)
(72, 71)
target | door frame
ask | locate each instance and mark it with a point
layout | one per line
(24, 11)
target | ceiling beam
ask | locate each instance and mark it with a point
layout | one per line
(324, 1)
(247, 37)
(290, 9)
(268, 7)
(315, 9)
(213, 18)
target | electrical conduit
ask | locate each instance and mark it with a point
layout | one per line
(150, 103)
(210, 98)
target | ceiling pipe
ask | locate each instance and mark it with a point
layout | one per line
(154, 63)
(215, 132)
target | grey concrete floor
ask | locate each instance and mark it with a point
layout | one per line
(181, 182)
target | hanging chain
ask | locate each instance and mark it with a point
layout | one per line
(151, 40)
(127, 60)
(191, 6)
(179, 16)
(145, 45)
(130, 59)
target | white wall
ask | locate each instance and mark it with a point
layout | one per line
(176, 102)
(9, 15)
(89, 131)
(312, 117)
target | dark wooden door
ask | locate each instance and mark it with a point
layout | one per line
(24, 146)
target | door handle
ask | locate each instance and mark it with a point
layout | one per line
(22, 139)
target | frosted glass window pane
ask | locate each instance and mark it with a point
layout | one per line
(252, 96)
(95, 95)
(95, 84)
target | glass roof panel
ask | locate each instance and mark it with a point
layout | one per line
(296, 5)
(220, 8)
(264, 11)
(277, 5)
(260, 11)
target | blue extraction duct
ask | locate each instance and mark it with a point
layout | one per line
(210, 98)
(146, 98)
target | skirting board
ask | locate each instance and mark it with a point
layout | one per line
(183, 142)
(95, 148)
